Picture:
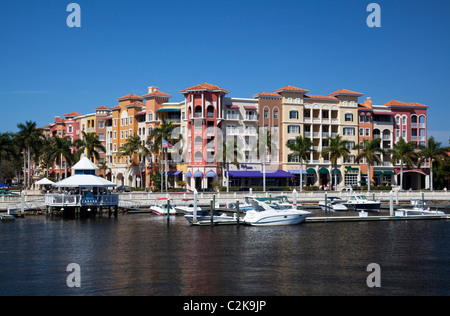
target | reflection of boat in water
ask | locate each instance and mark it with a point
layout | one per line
(418, 208)
(334, 204)
(265, 214)
(360, 202)
(160, 208)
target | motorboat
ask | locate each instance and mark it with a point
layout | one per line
(360, 202)
(160, 208)
(272, 214)
(418, 208)
(187, 208)
(334, 204)
(205, 216)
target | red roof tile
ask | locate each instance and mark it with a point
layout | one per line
(204, 86)
(324, 97)
(399, 103)
(101, 108)
(345, 92)
(71, 114)
(291, 89)
(130, 97)
(157, 93)
(267, 94)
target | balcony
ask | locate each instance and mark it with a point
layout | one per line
(251, 117)
(232, 117)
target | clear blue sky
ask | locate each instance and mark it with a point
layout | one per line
(244, 46)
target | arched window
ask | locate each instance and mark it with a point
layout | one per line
(198, 156)
(198, 111)
(198, 141)
(210, 112)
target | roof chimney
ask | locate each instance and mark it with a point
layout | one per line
(368, 102)
(152, 89)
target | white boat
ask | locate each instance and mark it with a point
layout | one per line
(205, 217)
(188, 208)
(417, 209)
(265, 214)
(160, 208)
(334, 205)
(360, 202)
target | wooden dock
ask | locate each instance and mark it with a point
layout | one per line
(330, 219)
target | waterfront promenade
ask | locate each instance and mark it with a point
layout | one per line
(35, 199)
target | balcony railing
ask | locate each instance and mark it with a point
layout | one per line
(81, 200)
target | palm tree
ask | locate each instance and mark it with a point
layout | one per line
(89, 144)
(46, 153)
(337, 148)
(155, 138)
(301, 148)
(6, 149)
(264, 146)
(433, 152)
(62, 149)
(29, 136)
(228, 154)
(406, 153)
(130, 148)
(369, 149)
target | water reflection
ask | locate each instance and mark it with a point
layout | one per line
(140, 255)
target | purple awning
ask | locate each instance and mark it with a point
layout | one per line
(259, 174)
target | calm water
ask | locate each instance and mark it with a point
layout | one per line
(140, 255)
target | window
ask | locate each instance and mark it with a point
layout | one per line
(289, 100)
(367, 118)
(352, 103)
(293, 115)
(130, 120)
(361, 118)
(397, 120)
(121, 135)
(367, 132)
(349, 131)
(404, 134)
(150, 116)
(361, 132)
(404, 120)
(293, 158)
(198, 141)
(351, 179)
(397, 133)
(345, 103)
(69, 129)
(101, 137)
(275, 114)
(293, 129)
(266, 113)
(114, 123)
(198, 156)
(101, 124)
(349, 117)
(297, 100)
(115, 135)
(115, 148)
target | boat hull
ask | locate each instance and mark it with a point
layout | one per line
(363, 207)
(275, 219)
(161, 212)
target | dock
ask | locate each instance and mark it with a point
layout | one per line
(330, 219)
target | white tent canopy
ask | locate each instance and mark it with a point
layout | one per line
(44, 182)
(84, 164)
(84, 180)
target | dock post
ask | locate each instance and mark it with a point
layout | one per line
(168, 212)
(423, 199)
(116, 210)
(326, 204)
(237, 212)
(391, 203)
(195, 206)
(396, 196)
(22, 202)
(212, 213)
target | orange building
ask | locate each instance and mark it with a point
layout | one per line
(125, 169)
(365, 123)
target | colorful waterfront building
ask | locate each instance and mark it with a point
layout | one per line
(410, 123)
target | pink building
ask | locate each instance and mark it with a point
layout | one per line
(410, 123)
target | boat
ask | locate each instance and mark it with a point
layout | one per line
(360, 202)
(205, 216)
(187, 208)
(418, 208)
(273, 214)
(334, 204)
(160, 208)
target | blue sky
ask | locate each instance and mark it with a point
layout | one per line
(244, 46)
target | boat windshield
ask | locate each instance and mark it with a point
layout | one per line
(361, 197)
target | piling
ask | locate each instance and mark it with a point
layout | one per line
(168, 212)
(391, 203)
(212, 213)
(237, 213)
